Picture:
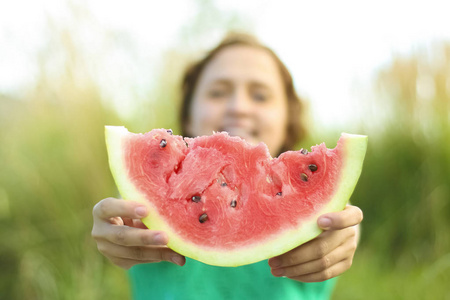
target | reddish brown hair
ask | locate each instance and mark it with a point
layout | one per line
(295, 128)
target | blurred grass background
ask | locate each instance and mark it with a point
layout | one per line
(54, 169)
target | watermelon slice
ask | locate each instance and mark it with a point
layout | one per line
(225, 202)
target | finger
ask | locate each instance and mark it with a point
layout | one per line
(314, 249)
(326, 274)
(126, 263)
(129, 236)
(344, 252)
(350, 216)
(141, 253)
(136, 223)
(126, 221)
(111, 207)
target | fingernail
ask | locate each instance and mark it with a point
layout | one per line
(178, 260)
(324, 223)
(160, 239)
(278, 272)
(275, 262)
(141, 211)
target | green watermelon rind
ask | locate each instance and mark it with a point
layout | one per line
(353, 149)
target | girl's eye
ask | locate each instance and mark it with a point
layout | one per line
(259, 97)
(217, 93)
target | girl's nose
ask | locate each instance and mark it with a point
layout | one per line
(239, 102)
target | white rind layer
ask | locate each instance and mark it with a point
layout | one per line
(354, 149)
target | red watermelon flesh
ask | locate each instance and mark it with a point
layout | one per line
(225, 202)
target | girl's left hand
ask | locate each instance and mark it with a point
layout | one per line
(328, 255)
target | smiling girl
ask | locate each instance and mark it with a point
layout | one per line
(243, 88)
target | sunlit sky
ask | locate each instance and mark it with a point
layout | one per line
(333, 48)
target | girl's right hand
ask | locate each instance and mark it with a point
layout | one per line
(124, 239)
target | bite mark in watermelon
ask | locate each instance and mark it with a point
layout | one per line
(225, 202)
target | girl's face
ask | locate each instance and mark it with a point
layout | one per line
(241, 91)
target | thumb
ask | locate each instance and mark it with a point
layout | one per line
(350, 216)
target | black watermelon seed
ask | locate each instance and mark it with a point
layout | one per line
(196, 199)
(223, 184)
(279, 194)
(203, 218)
(304, 177)
(313, 167)
(304, 151)
(233, 203)
(163, 143)
(169, 131)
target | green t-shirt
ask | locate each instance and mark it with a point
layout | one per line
(196, 280)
